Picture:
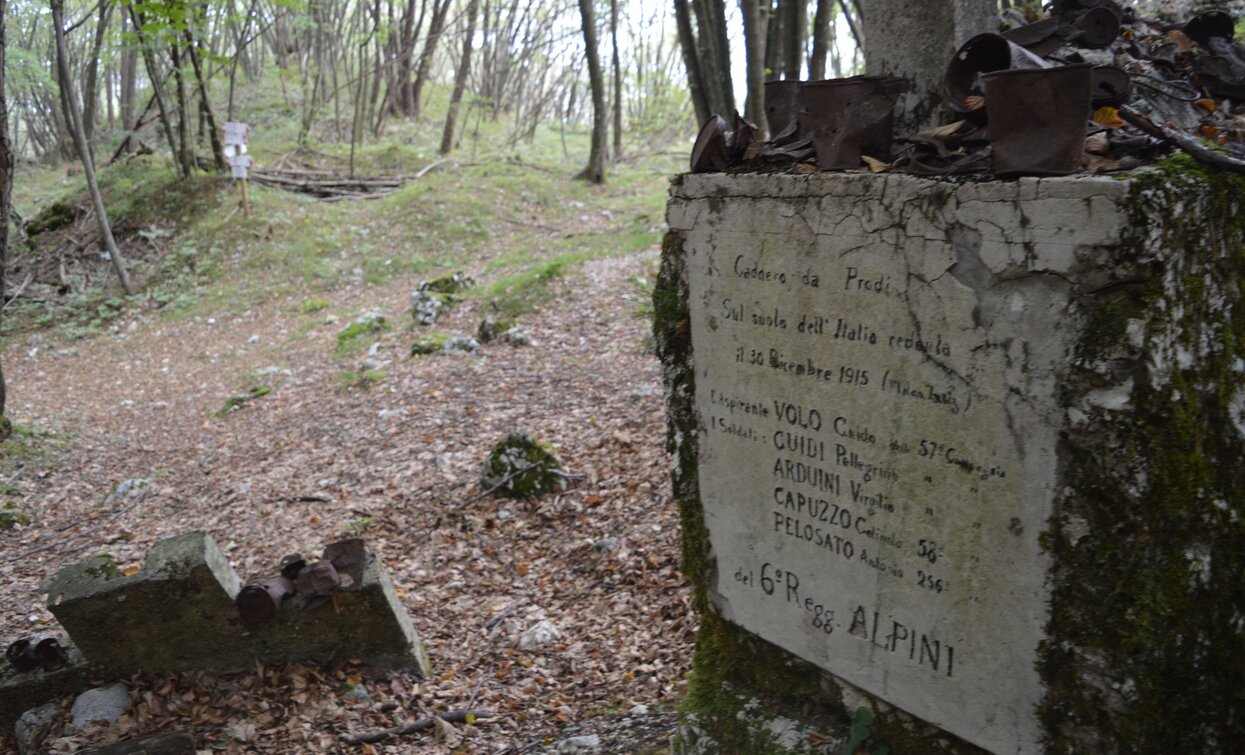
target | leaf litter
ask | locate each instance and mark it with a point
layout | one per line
(397, 464)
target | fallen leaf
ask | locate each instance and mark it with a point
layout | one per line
(974, 102)
(943, 131)
(1108, 117)
(875, 165)
(1207, 105)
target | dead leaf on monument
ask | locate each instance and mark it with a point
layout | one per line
(942, 131)
(875, 165)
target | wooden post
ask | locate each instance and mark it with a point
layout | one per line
(246, 204)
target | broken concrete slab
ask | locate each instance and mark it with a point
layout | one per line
(21, 691)
(369, 623)
(178, 614)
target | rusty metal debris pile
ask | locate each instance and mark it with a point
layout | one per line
(1090, 86)
(303, 585)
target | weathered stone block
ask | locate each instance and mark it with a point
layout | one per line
(370, 623)
(20, 692)
(969, 447)
(176, 613)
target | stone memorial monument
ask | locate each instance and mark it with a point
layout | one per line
(968, 453)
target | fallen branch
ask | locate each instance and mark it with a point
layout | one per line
(414, 727)
(18, 292)
(1185, 142)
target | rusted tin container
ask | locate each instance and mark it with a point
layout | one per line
(781, 104)
(984, 53)
(1038, 119)
(849, 118)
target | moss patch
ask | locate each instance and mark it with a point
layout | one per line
(520, 466)
(1149, 603)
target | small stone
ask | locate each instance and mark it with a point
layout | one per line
(542, 633)
(606, 544)
(31, 726)
(517, 335)
(638, 710)
(105, 704)
(253, 339)
(357, 694)
(426, 307)
(384, 414)
(460, 345)
(492, 328)
(586, 743)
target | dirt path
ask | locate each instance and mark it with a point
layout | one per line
(396, 462)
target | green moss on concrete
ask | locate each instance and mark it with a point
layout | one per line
(738, 680)
(1148, 611)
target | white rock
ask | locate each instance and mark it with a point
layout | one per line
(105, 704)
(638, 710)
(541, 633)
(30, 727)
(587, 743)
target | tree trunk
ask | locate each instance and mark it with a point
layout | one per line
(157, 87)
(6, 196)
(617, 81)
(90, 95)
(88, 167)
(691, 61)
(218, 150)
(774, 38)
(755, 23)
(184, 153)
(129, 76)
(821, 40)
(915, 40)
(594, 172)
(435, 29)
(794, 29)
(460, 79)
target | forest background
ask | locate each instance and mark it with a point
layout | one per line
(177, 363)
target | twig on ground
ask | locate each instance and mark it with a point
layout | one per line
(1185, 142)
(414, 727)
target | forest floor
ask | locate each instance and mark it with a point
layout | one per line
(390, 453)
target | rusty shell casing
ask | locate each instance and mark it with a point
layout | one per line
(261, 598)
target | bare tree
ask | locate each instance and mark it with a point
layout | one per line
(74, 119)
(595, 170)
(6, 196)
(460, 79)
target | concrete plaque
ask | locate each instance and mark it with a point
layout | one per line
(879, 421)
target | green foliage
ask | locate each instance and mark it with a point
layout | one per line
(360, 380)
(360, 334)
(858, 741)
(233, 403)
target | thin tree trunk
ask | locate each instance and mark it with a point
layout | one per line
(129, 75)
(90, 95)
(821, 40)
(183, 113)
(691, 61)
(617, 81)
(435, 29)
(6, 196)
(218, 150)
(793, 46)
(88, 167)
(755, 23)
(460, 79)
(157, 87)
(594, 172)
